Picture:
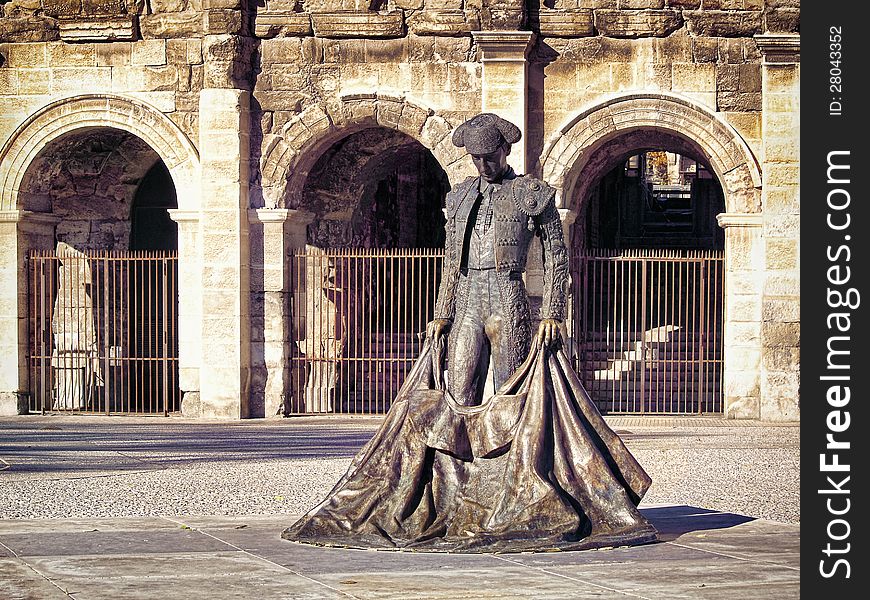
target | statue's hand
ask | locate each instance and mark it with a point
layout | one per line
(548, 332)
(436, 328)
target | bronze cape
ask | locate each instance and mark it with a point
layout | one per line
(534, 468)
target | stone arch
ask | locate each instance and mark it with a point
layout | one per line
(99, 111)
(569, 162)
(288, 156)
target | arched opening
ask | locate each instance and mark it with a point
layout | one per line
(655, 199)
(376, 188)
(102, 318)
(370, 271)
(648, 275)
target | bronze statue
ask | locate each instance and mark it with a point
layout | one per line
(491, 220)
(535, 466)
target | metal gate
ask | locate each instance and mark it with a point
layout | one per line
(647, 329)
(102, 329)
(358, 318)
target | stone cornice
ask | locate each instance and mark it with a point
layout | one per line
(726, 220)
(280, 215)
(503, 46)
(779, 48)
(183, 216)
(26, 216)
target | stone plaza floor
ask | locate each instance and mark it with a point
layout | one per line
(111, 508)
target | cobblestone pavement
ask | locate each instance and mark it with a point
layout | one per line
(82, 466)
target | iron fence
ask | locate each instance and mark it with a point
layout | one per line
(647, 329)
(102, 332)
(358, 319)
(644, 330)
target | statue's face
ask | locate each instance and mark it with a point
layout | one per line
(492, 166)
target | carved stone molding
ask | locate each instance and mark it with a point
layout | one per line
(97, 29)
(359, 24)
(270, 24)
(443, 22)
(563, 23)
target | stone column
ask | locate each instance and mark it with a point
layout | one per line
(744, 282)
(189, 307)
(224, 146)
(275, 233)
(19, 232)
(780, 199)
(504, 55)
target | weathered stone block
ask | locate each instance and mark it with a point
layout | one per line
(738, 384)
(359, 24)
(282, 24)
(705, 49)
(749, 78)
(781, 359)
(13, 403)
(563, 23)
(28, 29)
(682, 4)
(281, 51)
(782, 310)
(171, 25)
(443, 22)
(782, 20)
(9, 81)
(693, 77)
(635, 24)
(148, 52)
(222, 22)
(501, 18)
(62, 54)
(741, 407)
(727, 101)
(720, 23)
(104, 7)
(780, 395)
(33, 81)
(281, 100)
(385, 51)
(781, 334)
(116, 54)
(55, 8)
(782, 283)
(738, 333)
(66, 80)
(639, 4)
(97, 29)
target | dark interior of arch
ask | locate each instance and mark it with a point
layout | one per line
(650, 189)
(109, 189)
(376, 188)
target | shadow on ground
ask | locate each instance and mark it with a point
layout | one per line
(675, 521)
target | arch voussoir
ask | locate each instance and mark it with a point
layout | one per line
(572, 147)
(70, 114)
(284, 161)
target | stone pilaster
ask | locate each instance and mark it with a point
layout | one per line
(19, 231)
(744, 282)
(504, 56)
(274, 234)
(780, 127)
(189, 303)
(224, 144)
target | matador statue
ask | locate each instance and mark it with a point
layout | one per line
(534, 467)
(491, 222)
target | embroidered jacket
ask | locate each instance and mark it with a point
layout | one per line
(522, 208)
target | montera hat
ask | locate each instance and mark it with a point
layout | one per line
(485, 134)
